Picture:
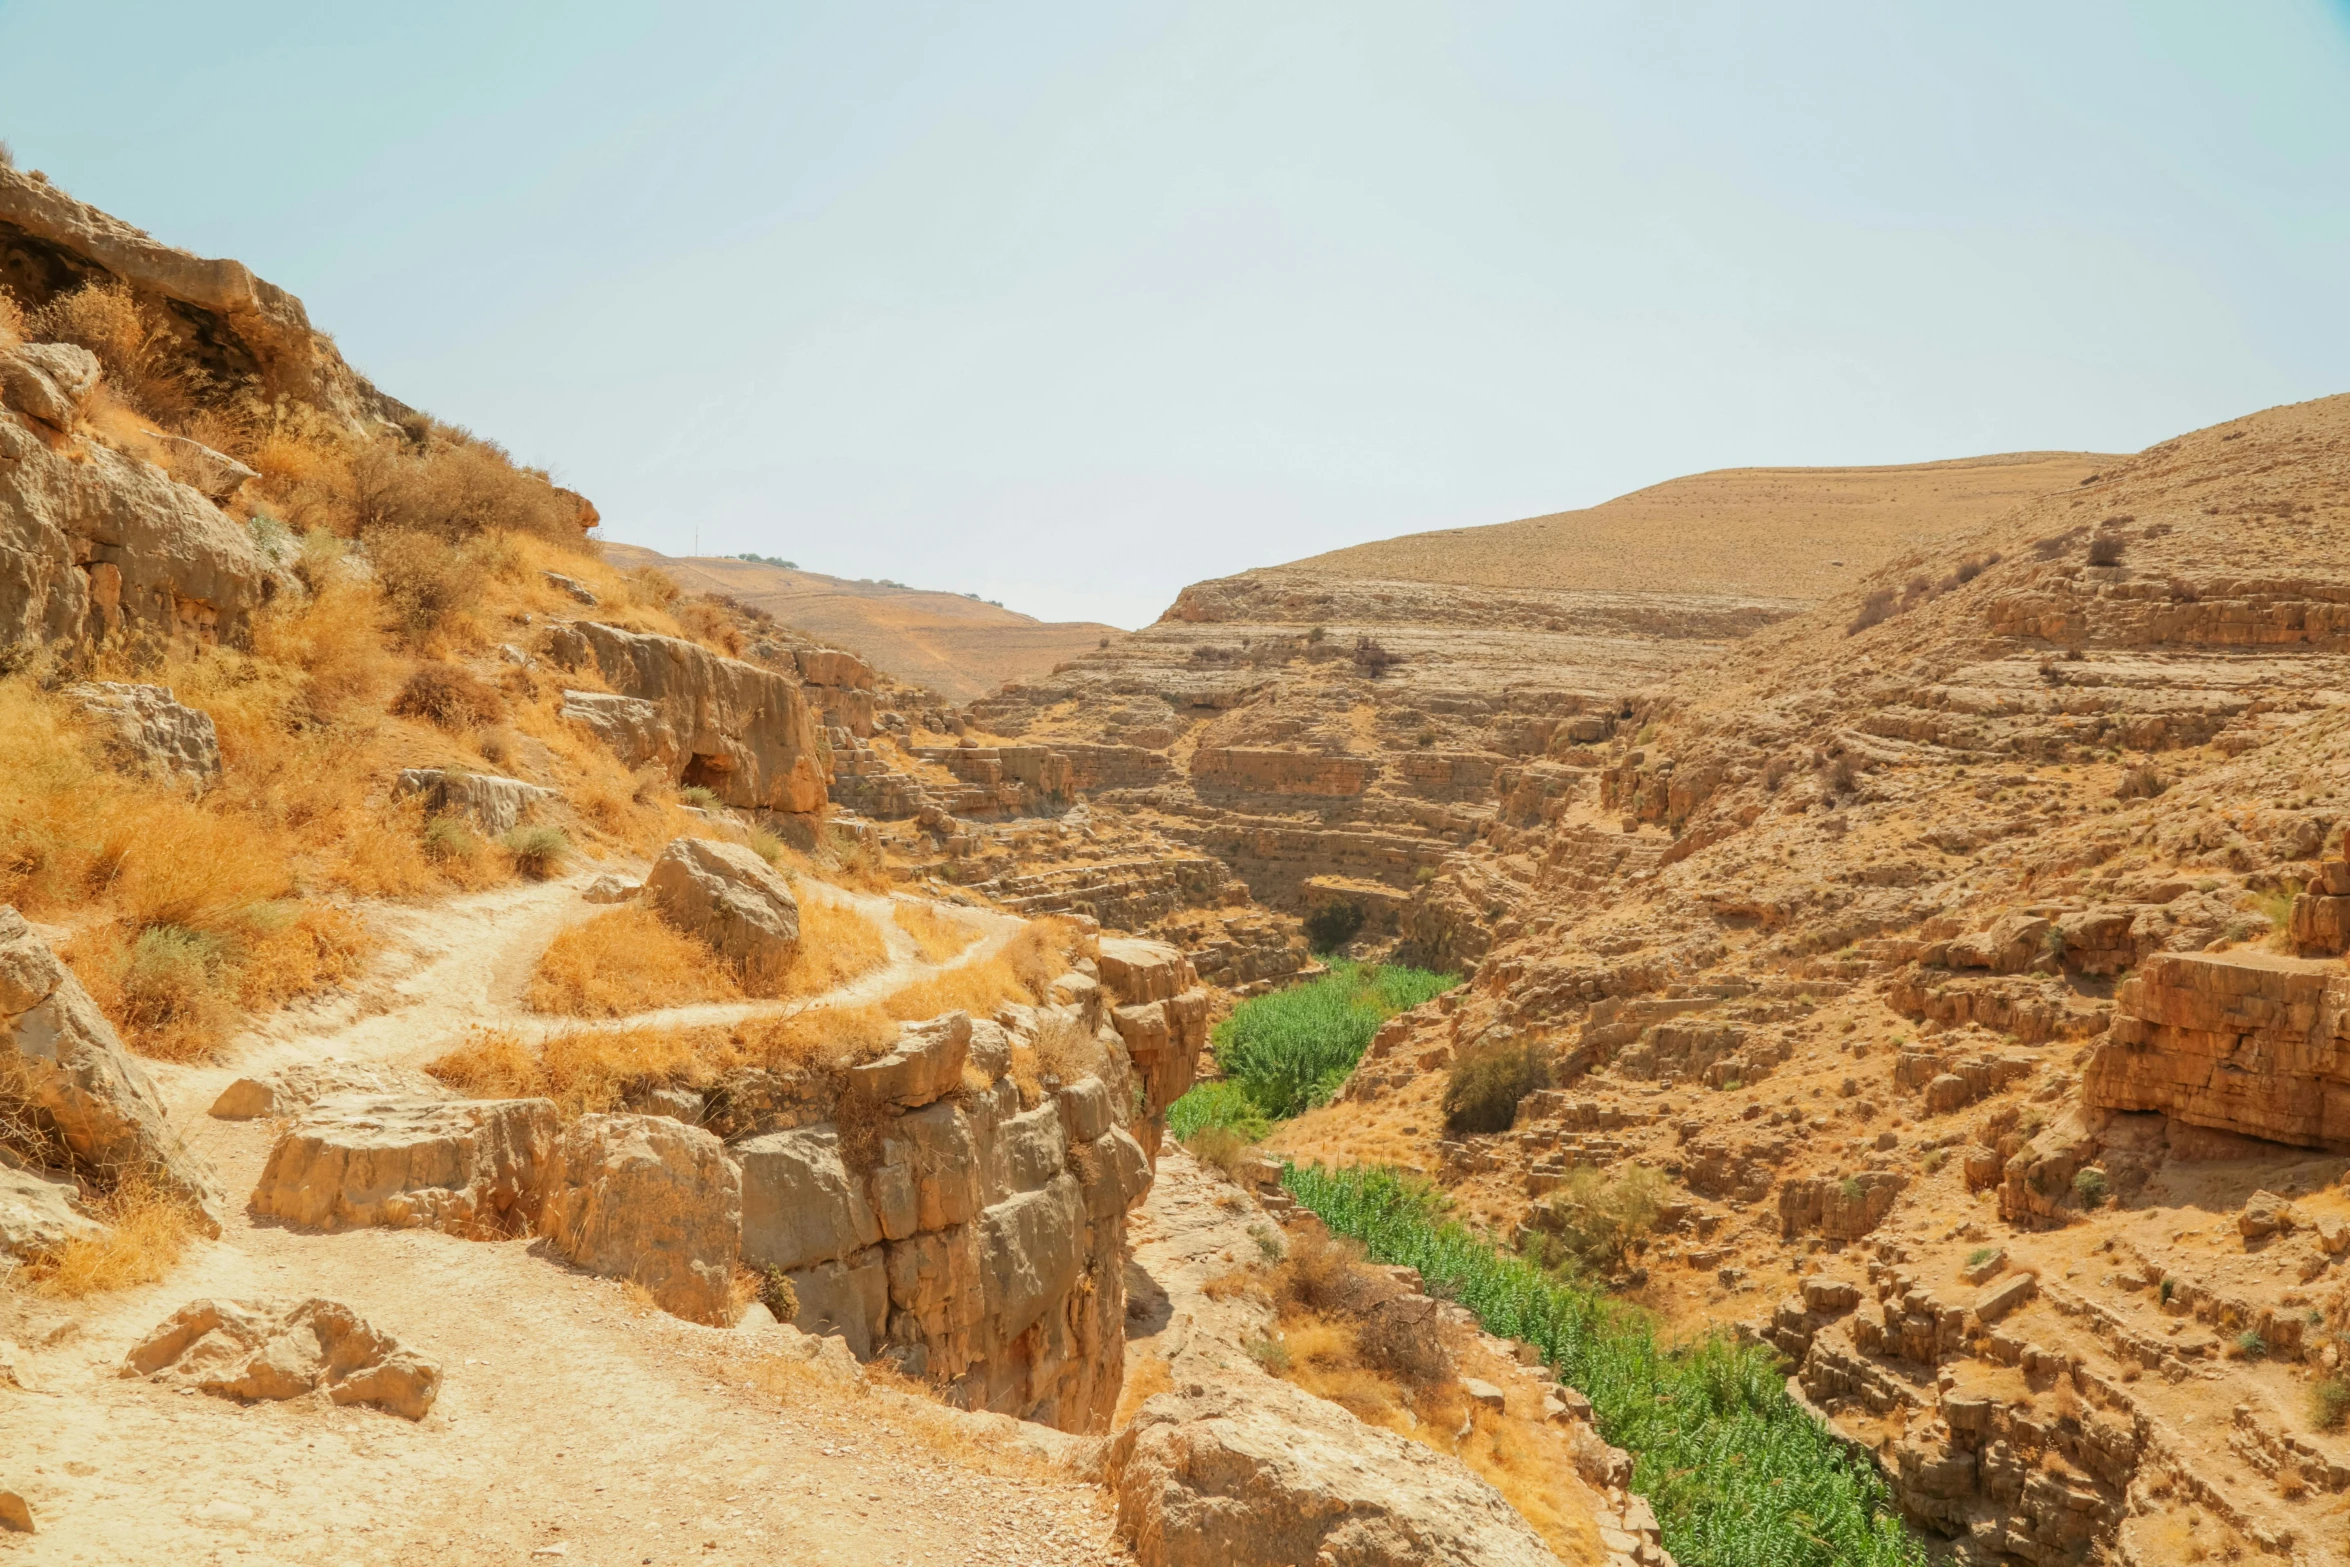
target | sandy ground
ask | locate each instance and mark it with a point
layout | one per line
(573, 1424)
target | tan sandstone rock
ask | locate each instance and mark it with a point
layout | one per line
(48, 381)
(648, 1198)
(744, 732)
(2243, 1041)
(292, 1089)
(1263, 1474)
(926, 1062)
(472, 1167)
(64, 1070)
(147, 730)
(39, 1214)
(252, 1350)
(495, 804)
(728, 896)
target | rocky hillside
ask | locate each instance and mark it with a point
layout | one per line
(960, 647)
(1965, 954)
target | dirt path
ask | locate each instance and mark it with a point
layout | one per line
(573, 1425)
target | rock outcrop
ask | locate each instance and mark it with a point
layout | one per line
(472, 1167)
(39, 1214)
(729, 897)
(649, 1199)
(974, 1241)
(252, 1350)
(1162, 1016)
(1271, 1476)
(292, 1089)
(147, 730)
(743, 732)
(65, 1076)
(95, 544)
(493, 803)
(2244, 1042)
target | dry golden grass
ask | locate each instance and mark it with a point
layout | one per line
(1042, 950)
(977, 988)
(838, 944)
(146, 1232)
(625, 961)
(938, 936)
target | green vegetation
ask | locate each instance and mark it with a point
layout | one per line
(1289, 1051)
(1739, 1475)
(2329, 1403)
(2090, 1186)
(1223, 1105)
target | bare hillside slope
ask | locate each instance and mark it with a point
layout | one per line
(962, 648)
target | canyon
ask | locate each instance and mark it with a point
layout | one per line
(481, 1009)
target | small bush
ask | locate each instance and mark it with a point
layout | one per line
(1222, 1105)
(1482, 1091)
(146, 1230)
(1219, 1148)
(1600, 1217)
(449, 841)
(2249, 1345)
(1874, 610)
(778, 1296)
(538, 852)
(174, 991)
(133, 342)
(700, 796)
(449, 697)
(2091, 1187)
(1270, 1353)
(1981, 1255)
(2329, 1403)
(2106, 550)
(1373, 659)
(426, 584)
(1333, 925)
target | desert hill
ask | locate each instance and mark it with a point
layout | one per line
(962, 648)
(1796, 533)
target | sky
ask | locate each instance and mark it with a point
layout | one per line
(1068, 305)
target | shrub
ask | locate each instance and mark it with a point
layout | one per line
(146, 1230)
(448, 696)
(698, 795)
(425, 583)
(449, 841)
(1372, 658)
(2106, 550)
(454, 487)
(1482, 1091)
(778, 1296)
(1270, 1353)
(134, 344)
(2250, 1345)
(174, 993)
(2090, 1186)
(1219, 1148)
(2329, 1403)
(1222, 1106)
(538, 852)
(1981, 1255)
(1333, 925)
(1874, 610)
(1600, 1217)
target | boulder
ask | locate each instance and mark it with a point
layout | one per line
(95, 544)
(65, 1072)
(2264, 1214)
(847, 1298)
(49, 382)
(1844, 1209)
(580, 592)
(744, 732)
(292, 1089)
(609, 888)
(39, 1214)
(1996, 1301)
(829, 666)
(729, 897)
(254, 1349)
(648, 1198)
(630, 727)
(146, 730)
(214, 475)
(926, 1063)
(495, 804)
(15, 1513)
(2318, 923)
(1258, 1473)
(471, 1167)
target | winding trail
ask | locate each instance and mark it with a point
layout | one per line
(573, 1426)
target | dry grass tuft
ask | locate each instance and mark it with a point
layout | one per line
(133, 341)
(977, 988)
(146, 1232)
(450, 697)
(626, 961)
(1147, 1376)
(938, 935)
(585, 1072)
(1042, 950)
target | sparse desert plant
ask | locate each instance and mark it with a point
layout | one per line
(699, 796)
(2248, 1345)
(133, 342)
(2091, 1186)
(1601, 1216)
(1482, 1091)
(145, 1232)
(2106, 550)
(1874, 610)
(1220, 1148)
(1373, 658)
(538, 852)
(2329, 1403)
(448, 840)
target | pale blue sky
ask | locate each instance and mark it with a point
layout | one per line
(1071, 304)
